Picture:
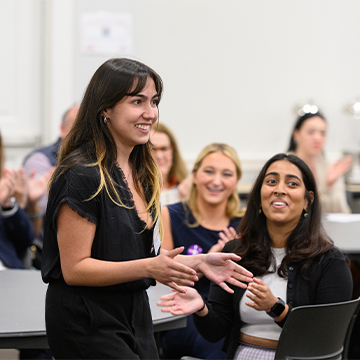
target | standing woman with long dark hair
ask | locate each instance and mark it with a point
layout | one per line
(103, 227)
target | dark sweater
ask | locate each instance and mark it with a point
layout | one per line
(329, 282)
(16, 235)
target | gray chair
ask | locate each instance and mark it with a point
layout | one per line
(317, 331)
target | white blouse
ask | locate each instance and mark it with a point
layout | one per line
(259, 323)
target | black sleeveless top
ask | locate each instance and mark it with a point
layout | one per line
(120, 234)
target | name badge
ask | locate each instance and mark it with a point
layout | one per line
(156, 238)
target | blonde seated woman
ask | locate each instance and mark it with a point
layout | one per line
(203, 224)
(172, 167)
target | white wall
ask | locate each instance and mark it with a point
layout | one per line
(233, 70)
(20, 75)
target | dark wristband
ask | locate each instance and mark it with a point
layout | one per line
(203, 306)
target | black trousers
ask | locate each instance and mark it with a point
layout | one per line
(93, 323)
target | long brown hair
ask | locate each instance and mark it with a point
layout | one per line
(90, 141)
(306, 243)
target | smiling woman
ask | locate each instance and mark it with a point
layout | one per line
(203, 224)
(283, 199)
(281, 240)
(103, 229)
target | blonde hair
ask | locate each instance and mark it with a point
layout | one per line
(178, 168)
(233, 203)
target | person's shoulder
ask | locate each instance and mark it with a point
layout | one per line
(78, 174)
(35, 160)
(178, 207)
(85, 170)
(84, 173)
(334, 253)
(42, 149)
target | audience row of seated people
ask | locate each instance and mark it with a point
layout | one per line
(282, 242)
(185, 225)
(202, 212)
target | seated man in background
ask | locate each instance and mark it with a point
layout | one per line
(40, 164)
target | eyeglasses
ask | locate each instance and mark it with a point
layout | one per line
(163, 149)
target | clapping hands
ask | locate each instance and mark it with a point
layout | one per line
(7, 187)
(226, 235)
(338, 169)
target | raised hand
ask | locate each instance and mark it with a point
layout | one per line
(338, 169)
(219, 268)
(226, 235)
(21, 187)
(186, 302)
(170, 272)
(184, 187)
(38, 187)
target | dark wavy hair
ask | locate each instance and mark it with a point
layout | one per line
(298, 125)
(306, 243)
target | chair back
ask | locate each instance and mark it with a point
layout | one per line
(316, 331)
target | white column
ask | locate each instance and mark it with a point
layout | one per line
(59, 63)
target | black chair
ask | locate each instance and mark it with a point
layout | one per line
(317, 331)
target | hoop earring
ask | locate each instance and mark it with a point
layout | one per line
(105, 119)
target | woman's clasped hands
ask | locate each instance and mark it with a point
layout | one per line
(261, 296)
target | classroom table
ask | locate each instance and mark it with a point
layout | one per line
(344, 230)
(22, 310)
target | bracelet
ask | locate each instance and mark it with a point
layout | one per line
(202, 307)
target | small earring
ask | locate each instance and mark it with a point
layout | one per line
(306, 214)
(260, 211)
(105, 119)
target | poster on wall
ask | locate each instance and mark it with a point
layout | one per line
(106, 33)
